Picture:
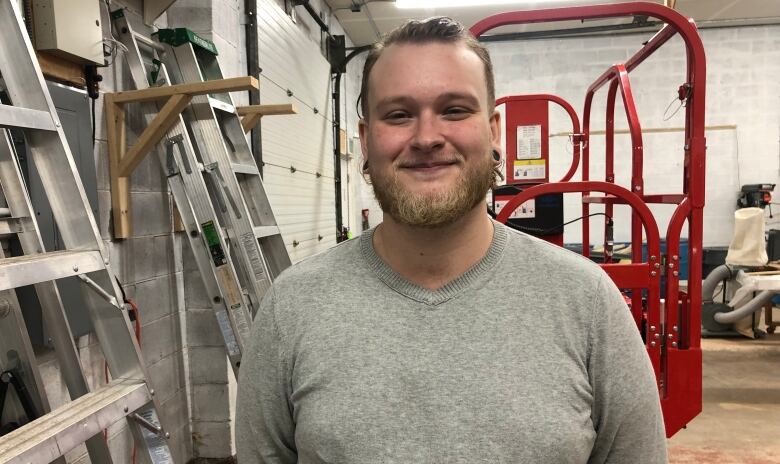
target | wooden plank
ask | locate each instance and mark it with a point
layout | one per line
(250, 121)
(178, 223)
(120, 186)
(154, 132)
(267, 110)
(234, 84)
(252, 113)
(61, 69)
(764, 273)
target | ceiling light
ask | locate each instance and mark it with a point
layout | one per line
(421, 4)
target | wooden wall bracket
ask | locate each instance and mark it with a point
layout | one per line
(251, 115)
(123, 161)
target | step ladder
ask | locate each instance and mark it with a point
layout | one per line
(128, 397)
(232, 231)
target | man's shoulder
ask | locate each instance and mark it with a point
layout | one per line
(328, 264)
(541, 256)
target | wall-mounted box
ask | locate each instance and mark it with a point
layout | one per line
(69, 28)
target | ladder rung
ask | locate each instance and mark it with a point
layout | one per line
(12, 225)
(32, 269)
(244, 168)
(56, 433)
(266, 231)
(222, 106)
(25, 118)
(148, 42)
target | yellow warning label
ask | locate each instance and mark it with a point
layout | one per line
(539, 162)
(530, 169)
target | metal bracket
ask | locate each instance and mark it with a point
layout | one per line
(177, 141)
(101, 292)
(222, 189)
(155, 429)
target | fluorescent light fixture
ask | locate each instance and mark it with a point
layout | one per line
(421, 4)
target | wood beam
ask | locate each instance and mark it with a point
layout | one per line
(120, 186)
(154, 132)
(253, 113)
(122, 162)
(234, 84)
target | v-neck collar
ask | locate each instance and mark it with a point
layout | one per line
(452, 289)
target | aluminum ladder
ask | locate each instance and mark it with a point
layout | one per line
(220, 138)
(128, 396)
(233, 253)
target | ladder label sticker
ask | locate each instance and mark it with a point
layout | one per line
(530, 169)
(157, 445)
(525, 211)
(529, 142)
(212, 241)
(227, 333)
(251, 246)
(232, 295)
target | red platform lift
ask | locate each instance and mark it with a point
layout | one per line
(670, 323)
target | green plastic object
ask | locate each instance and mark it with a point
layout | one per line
(182, 35)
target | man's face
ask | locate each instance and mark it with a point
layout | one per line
(429, 132)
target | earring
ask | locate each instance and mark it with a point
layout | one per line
(365, 166)
(496, 156)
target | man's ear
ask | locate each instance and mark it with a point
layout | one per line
(495, 130)
(363, 132)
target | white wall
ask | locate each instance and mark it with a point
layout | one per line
(742, 90)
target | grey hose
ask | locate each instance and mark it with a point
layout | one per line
(747, 309)
(717, 275)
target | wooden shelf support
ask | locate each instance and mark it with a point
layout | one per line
(123, 161)
(251, 115)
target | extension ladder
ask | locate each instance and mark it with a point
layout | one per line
(220, 138)
(218, 191)
(128, 396)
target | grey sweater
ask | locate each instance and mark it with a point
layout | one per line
(531, 356)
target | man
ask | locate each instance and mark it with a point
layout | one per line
(441, 336)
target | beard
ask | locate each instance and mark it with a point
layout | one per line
(438, 208)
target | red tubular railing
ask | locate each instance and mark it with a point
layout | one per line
(678, 329)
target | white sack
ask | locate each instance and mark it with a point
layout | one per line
(747, 246)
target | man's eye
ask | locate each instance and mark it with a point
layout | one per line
(397, 115)
(456, 112)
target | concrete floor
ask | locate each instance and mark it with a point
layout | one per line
(740, 421)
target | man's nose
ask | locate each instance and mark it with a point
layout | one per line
(428, 135)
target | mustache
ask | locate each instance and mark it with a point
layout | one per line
(429, 163)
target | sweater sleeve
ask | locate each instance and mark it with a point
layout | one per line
(627, 410)
(265, 430)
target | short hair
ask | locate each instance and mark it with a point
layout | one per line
(436, 29)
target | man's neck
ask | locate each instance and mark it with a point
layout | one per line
(431, 258)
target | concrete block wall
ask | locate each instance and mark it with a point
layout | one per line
(742, 90)
(212, 397)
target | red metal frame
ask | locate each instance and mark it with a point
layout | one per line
(671, 327)
(516, 108)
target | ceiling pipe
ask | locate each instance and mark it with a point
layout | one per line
(307, 5)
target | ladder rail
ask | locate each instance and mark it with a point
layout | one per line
(55, 322)
(51, 155)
